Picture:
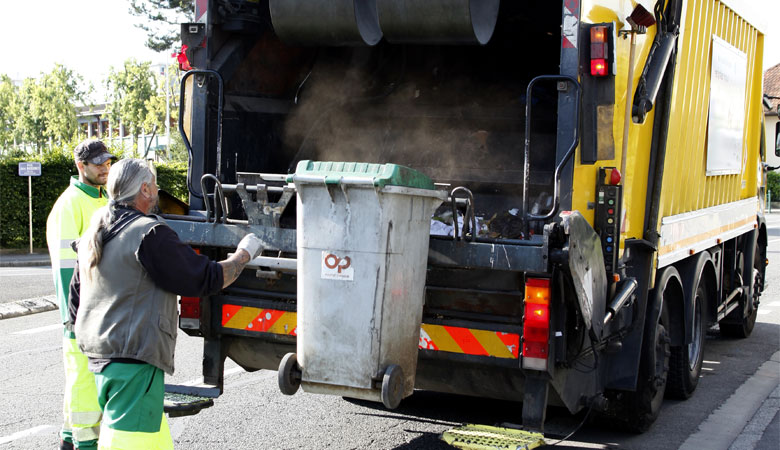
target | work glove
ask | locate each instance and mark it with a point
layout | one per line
(251, 243)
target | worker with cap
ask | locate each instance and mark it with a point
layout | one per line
(131, 267)
(69, 218)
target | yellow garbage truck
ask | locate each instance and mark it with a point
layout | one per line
(597, 166)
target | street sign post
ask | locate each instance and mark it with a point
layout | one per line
(29, 170)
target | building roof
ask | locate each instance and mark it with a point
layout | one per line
(772, 88)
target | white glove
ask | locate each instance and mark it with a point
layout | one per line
(251, 243)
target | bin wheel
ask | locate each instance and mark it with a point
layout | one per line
(289, 375)
(392, 386)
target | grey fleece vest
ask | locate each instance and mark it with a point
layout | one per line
(123, 314)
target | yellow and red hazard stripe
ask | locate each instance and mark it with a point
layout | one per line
(261, 320)
(469, 341)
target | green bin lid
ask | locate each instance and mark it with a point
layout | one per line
(382, 174)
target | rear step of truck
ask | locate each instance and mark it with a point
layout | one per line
(183, 400)
(484, 437)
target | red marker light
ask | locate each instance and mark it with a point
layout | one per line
(598, 67)
(615, 177)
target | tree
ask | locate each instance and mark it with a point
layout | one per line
(161, 19)
(129, 91)
(44, 111)
(8, 97)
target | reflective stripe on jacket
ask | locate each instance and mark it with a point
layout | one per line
(69, 218)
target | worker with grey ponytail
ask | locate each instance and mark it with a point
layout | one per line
(124, 183)
(131, 268)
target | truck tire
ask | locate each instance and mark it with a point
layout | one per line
(637, 410)
(685, 361)
(737, 325)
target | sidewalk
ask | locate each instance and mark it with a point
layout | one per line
(16, 258)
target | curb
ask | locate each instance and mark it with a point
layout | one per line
(28, 306)
(727, 423)
(25, 263)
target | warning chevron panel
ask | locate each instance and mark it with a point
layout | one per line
(259, 319)
(467, 341)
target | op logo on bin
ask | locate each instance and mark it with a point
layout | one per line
(336, 267)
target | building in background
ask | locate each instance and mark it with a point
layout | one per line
(771, 104)
(94, 122)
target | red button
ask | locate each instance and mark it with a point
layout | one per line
(610, 211)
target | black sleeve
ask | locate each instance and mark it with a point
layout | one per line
(74, 297)
(175, 267)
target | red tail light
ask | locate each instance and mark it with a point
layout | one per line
(598, 67)
(190, 308)
(600, 50)
(536, 324)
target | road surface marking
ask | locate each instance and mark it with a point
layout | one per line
(56, 326)
(40, 429)
(32, 351)
(726, 423)
(22, 272)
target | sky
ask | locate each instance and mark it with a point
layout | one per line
(86, 36)
(90, 36)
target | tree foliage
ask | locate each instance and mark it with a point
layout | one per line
(160, 20)
(129, 90)
(9, 94)
(41, 111)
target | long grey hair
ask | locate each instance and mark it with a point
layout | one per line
(124, 183)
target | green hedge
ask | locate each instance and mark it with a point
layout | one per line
(773, 185)
(56, 170)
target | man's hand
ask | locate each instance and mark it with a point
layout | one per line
(251, 243)
(232, 267)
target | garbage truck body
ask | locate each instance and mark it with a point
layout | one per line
(600, 165)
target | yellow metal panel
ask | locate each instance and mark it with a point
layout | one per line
(686, 187)
(640, 135)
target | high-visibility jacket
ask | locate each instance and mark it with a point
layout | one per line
(68, 220)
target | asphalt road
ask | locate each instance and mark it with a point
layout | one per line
(253, 414)
(21, 283)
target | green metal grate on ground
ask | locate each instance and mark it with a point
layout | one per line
(483, 437)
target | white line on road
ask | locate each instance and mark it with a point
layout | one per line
(727, 422)
(22, 272)
(56, 326)
(227, 373)
(40, 429)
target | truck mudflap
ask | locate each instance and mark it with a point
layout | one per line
(484, 437)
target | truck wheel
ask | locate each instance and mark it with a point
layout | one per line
(289, 375)
(638, 410)
(392, 386)
(743, 325)
(685, 361)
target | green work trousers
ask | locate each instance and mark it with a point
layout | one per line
(131, 396)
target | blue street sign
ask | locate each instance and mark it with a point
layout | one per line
(29, 169)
